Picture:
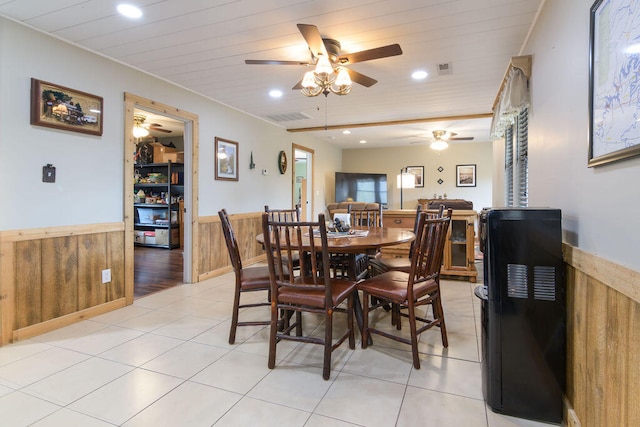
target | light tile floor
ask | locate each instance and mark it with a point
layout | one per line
(165, 361)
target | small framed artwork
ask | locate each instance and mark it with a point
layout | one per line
(60, 107)
(418, 172)
(614, 133)
(465, 175)
(226, 159)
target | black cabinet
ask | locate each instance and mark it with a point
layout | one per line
(523, 312)
(157, 189)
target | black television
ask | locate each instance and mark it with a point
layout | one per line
(362, 187)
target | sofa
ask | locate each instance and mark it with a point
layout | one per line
(343, 207)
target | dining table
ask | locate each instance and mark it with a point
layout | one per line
(358, 241)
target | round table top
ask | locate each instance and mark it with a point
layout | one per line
(376, 238)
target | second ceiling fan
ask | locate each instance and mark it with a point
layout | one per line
(323, 49)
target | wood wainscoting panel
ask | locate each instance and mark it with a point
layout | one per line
(27, 305)
(60, 281)
(603, 341)
(213, 258)
(55, 273)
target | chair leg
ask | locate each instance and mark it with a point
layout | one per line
(234, 316)
(437, 307)
(273, 332)
(350, 316)
(414, 335)
(328, 342)
(365, 319)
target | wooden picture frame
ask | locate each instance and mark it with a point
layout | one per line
(614, 133)
(226, 159)
(465, 175)
(418, 172)
(60, 107)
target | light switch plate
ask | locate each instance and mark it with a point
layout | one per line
(49, 173)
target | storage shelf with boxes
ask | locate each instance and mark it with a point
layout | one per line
(158, 190)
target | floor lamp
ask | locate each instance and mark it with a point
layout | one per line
(405, 180)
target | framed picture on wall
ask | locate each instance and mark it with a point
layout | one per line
(465, 175)
(226, 159)
(418, 172)
(60, 107)
(614, 133)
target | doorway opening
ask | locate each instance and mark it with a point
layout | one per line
(154, 265)
(302, 190)
(159, 246)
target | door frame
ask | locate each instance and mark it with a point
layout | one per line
(310, 179)
(191, 226)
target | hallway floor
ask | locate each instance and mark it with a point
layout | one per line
(165, 361)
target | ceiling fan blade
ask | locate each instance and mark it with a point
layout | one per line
(273, 62)
(368, 55)
(360, 78)
(298, 85)
(159, 130)
(313, 38)
(465, 138)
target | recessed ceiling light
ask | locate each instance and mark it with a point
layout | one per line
(129, 11)
(362, 141)
(419, 75)
(275, 93)
(346, 132)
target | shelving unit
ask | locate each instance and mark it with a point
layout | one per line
(160, 219)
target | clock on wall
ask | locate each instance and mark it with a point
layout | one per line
(282, 162)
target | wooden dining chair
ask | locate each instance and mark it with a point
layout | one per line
(419, 287)
(284, 215)
(313, 291)
(380, 264)
(365, 217)
(341, 263)
(252, 279)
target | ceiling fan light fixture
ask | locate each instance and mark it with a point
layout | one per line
(138, 130)
(309, 80)
(343, 78)
(323, 66)
(439, 145)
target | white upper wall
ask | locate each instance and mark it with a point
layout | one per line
(600, 205)
(390, 161)
(90, 169)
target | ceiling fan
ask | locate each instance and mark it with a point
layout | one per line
(331, 49)
(449, 136)
(139, 121)
(441, 139)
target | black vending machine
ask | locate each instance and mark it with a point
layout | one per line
(523, 312)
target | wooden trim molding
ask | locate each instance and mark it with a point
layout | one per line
(131, 102)
(617, 277)
(394, 122)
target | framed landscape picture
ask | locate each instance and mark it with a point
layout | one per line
(418, 172)
(465, 175)
(226, 159)
(60, 107)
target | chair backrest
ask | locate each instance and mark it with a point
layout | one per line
(429, 248)
(283, 215)
(282, 239)
(230, 239)
(370, 218)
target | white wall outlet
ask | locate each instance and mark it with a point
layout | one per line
(106, 275)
